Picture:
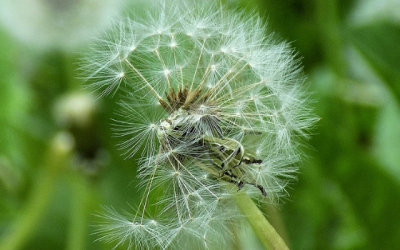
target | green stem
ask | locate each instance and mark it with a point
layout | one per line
(331, 35)
(35, 207)
(277, 221)
(263, 229)
(76, 238)
(72, 82)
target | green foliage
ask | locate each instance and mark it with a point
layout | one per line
(376, 42)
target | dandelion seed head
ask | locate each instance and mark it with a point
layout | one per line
(215, 105)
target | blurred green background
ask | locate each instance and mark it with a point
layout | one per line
(59, 162)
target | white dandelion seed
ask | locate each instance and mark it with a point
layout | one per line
(216, 105)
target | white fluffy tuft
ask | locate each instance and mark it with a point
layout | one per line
(213, 101)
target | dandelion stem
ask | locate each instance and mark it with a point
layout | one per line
(76, 238)
(35, 207)
(277, 221)
(263, 229)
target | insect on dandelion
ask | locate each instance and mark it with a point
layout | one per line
(215, 107)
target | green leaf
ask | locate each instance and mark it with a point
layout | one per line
(387, 137)
(379, 44)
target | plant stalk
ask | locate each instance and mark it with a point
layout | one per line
(76, 238)
(29, 218)
(261, 226)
